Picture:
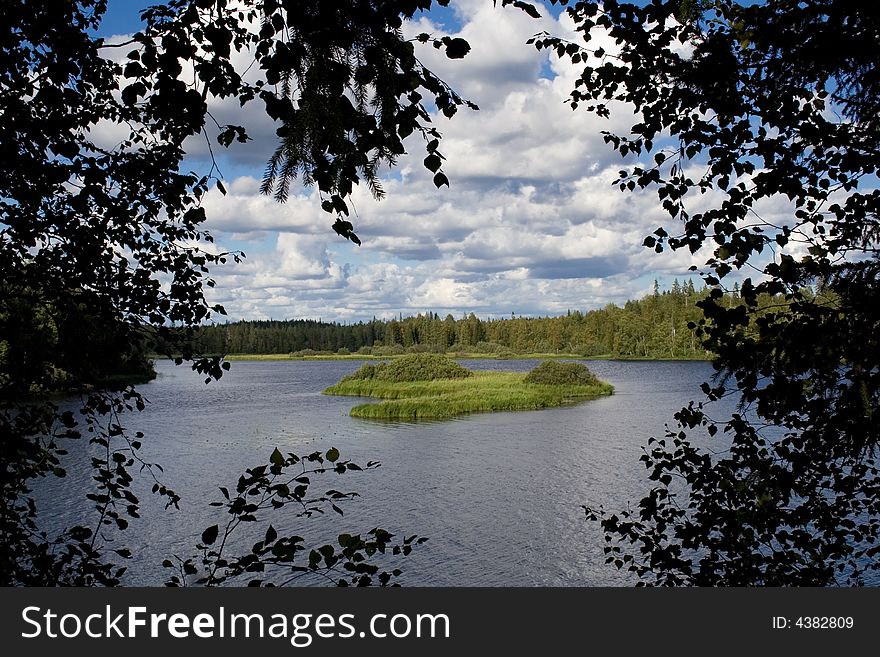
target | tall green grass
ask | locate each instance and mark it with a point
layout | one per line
(444, 398)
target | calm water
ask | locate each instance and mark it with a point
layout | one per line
(498, 494)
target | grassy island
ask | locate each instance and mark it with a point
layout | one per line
(431, 386)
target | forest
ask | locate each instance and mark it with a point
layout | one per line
(660, 325)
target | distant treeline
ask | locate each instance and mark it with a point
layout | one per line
(653, 327)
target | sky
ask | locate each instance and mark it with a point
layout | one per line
(530, 224)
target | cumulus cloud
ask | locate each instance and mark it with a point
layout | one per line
(245, 212)
(531, 223)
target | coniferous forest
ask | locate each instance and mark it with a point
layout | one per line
(656, 326)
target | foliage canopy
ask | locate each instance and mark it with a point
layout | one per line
(775, 101)
(108, 233)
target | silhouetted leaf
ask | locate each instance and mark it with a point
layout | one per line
(210, 535)
(457, 48)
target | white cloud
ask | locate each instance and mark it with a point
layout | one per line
(530, 224)
(245, 212)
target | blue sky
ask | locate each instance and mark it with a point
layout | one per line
(530, 224)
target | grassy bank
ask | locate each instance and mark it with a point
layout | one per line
(444, 398)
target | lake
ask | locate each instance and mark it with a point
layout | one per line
(498, 494)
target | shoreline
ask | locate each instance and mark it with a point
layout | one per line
(455, 356)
